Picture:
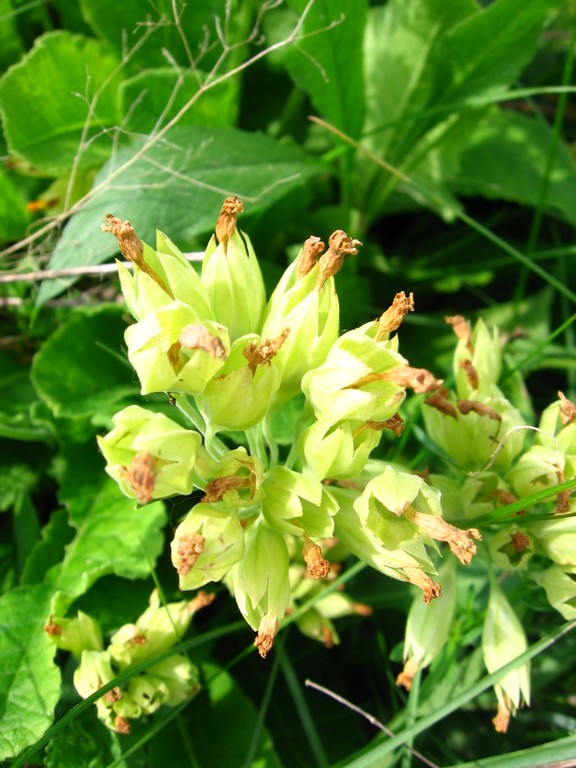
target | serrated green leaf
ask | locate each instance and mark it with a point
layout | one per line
(487, 51)
(113, 536)
(519, 145)
(84, 742)
(327, 62)
(82, 96)
(162, 92)
(29, 681)
(10, 41)
(178, 186)
(49, 549)
(400, 38)
(77, 372)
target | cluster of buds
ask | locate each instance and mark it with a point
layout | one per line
(168, 681)
(232, 363)
(484, 435)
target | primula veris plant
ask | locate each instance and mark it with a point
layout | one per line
(269, 519)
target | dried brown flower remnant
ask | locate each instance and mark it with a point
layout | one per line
(468, 406)
(563, 498)
(188, 550)
(394, 424)
(471, 373)
(502, 720)
(121, 725)
(419, 379)
(406, 677)
(391, 319)
(267, 631)
(339, 245)
(520, 541)
(140, 476)
(139, 639)
(263, 352)
(440, 401)
(226, 224)
(318, 567)
(416, 576)
(460, 542)
(567, 410)
(114, 695)
(216, 488)
(132, 248)
(308, 256)
(52, 629)
(197, 336)
(461, 328)
(202, 600)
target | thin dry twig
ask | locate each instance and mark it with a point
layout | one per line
(371, 719)
(97, 271)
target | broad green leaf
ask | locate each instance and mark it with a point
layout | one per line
(222, 702)
(11, 46)
(125, 25)
(77, 371)
(80, 103)
(327, 61)
(399, 41)
(487, 51)
(14, 217)
(49, 549)
(156, 93)
(113, 536)
(29, 681)
(178, 186)
(506, 158)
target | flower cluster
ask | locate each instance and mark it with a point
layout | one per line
(231, 360)
(168, 681)
(276, 516)
(490, 465)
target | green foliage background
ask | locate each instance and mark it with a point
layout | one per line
(441, 134)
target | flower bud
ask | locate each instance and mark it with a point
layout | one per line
(260, 583)
(172, 350)
(475, 433)
(240, 396)
(428, 627)
(180, 677)
(147, 693)
(297, 503)
(75, 635)
(477, 358)
(206, 544)
(236, 480)
(149, 455)
(159, 276)
(511, 548)
(539, 468)
(312, 316)
(155, 631)
(392, 546)
(337, 450)
(503, 639)
(557, 537)
(355, 380)
(560, 585)
(232, 277)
